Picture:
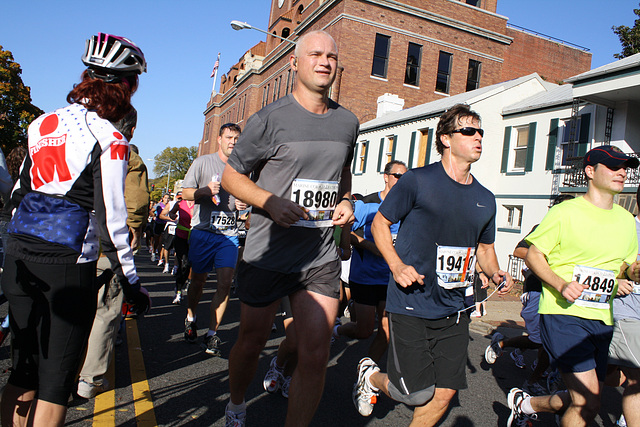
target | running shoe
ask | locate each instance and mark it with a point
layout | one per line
(534, 389)
(165, 270)
(212, 345)
(284, 387)
(621, 421)
(517, 417)
(364, 395)
(178, 298)
(494, 350)
(232, 419)
(475, 313)
(174, 271)
(190, 331)
(553, 381)
(89, 390)
(273, 378)
(518, 358)
(153, 257)
(161, 262)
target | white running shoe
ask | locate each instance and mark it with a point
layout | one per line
(273, 379)
(166, 269)
(232, 419)
(364, 395)
(517, 417)
(175, 270)
(178, 298)
(284, 387)
(621, 421)
(160, 262)
(494, 350)
(89, 390)
(153, 257)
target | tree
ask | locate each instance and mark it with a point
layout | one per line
(179, 158)
(629, 37)
(16, 109)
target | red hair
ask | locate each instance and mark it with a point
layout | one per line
(112, 101)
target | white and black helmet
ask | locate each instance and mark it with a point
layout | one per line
(113, 57)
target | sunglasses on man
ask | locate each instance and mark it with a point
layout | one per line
(469, 131)
(396, 175)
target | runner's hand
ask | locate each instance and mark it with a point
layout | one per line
(406, 275)
(625, 287)
(572, 291)
(343, 214)
(240, 205)
(214, 186)
(284, 212)
(506, 278)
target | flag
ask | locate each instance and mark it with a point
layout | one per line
(215, 66)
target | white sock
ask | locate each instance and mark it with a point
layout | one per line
(237, 409)
(526, 407)
(191, 319)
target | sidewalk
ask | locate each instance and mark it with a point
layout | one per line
(502, 312)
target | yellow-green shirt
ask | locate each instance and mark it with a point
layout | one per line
(576, 232)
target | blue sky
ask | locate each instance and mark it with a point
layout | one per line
(181, 40)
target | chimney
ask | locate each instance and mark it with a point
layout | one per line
(389, 103)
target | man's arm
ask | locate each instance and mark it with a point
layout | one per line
(284, 212)
(404, 275)
(343, 214)
(165, 212)
(537, 262)
(520, 252)
(367, 245)
(210, 190)
(488, 260)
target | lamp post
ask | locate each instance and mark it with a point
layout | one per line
(164, 163)
(238, 25)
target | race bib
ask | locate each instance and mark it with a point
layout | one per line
(223, 220)
(318, 197)
(636, 288)
(171, 229)
(455, 266)
(601, 284)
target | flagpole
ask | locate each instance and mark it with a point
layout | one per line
(214, 74)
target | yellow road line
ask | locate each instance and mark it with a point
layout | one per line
(104, 414)
(142, 402)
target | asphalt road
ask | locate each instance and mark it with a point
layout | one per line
(165, 381)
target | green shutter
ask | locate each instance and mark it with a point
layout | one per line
(530, 147)
(585, 120)
(380, 155)
(395, 145)
(411, 149)
(366, 154)
(505, 149)
(551, 145)
(427, 155)
(355, 157)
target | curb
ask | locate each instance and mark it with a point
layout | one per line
(482, 327)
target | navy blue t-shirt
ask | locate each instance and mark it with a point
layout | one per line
(436, 214)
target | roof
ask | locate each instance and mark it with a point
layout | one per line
(437, 107)
(632, 61)
(557, 95)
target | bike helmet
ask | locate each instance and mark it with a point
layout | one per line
(111, 57)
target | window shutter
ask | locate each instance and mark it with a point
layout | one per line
(530, 147)
(553, 142)
(411, 149)
(505, 149)
(585, 120)
(427, 155)
(355, 157)
(380, 153)
(366, 154)
(395, 145)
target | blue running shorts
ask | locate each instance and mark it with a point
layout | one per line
(210, 250)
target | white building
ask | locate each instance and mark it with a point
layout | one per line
(535, 135)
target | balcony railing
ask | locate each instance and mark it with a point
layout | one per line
(574, 173)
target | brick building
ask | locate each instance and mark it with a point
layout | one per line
(417, 50)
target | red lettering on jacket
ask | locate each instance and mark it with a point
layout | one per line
(48, 158)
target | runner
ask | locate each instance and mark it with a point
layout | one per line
(431, 267)
(73, 175)
(578, 250)
(369, 274)
(183, 212)
(213, 241)
(168, 237)
(302, 146)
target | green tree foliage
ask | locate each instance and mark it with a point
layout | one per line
(180, 159)
(16, 110)
(629, 37)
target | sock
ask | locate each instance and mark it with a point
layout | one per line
(237, 409)
(526, 407)
(191, 319)
(210, 333)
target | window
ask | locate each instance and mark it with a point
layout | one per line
(475, 3)
(387, 151)
(513, 216)
(293, 81)
(444, 72)
(207, 128)
(276, 88)
(265, 92)
(244, 104)
(473, 75)
(424, 147)
(380, 56)
(361, 160)
(569, 151)
(390, 149)
(286, 88)
(520, 147)
(412, 73)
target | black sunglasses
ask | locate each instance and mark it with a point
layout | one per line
(396, 175)
(469, 131)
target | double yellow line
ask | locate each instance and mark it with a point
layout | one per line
(105, 403)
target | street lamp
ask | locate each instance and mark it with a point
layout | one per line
(164, 163)
(238, 25)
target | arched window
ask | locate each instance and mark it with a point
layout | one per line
(285, 32)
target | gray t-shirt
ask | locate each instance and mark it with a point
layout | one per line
(628, 307)
(220, 218)
(297, 155)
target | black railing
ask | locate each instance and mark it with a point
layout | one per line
(574, 173)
